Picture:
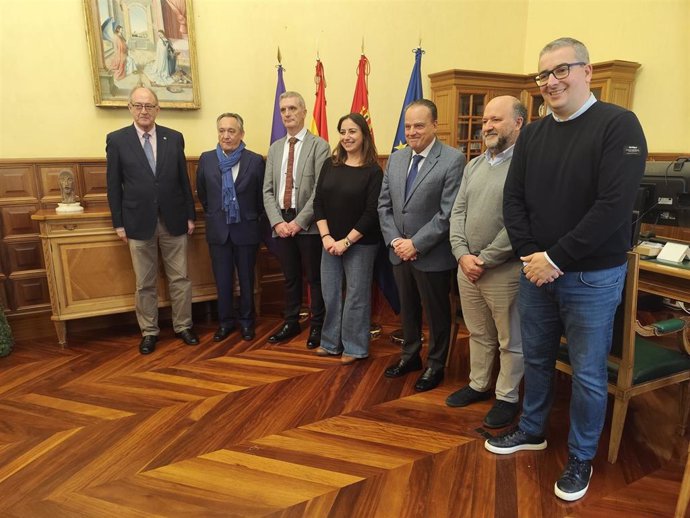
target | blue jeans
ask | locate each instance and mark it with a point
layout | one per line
(581, 306)
(348, 321)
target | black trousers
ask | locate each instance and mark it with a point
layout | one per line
(298, 253)
(430, 291)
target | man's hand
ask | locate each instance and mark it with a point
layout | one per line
(282, 229)
(294, 228)
(120, 231)
(404, 248)
(190, 227)
(472, 266)
(539, 270)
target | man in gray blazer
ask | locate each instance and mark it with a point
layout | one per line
(292, 169)
(420, 184)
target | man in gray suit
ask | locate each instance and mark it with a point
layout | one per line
(419, 187)
(292, 169)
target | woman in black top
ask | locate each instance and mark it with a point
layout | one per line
(345, 206)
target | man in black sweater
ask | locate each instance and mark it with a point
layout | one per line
(567, 208)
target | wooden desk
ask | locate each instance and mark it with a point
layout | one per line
(665, 280)
(90, 272)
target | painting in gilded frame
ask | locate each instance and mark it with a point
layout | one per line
(142, 42)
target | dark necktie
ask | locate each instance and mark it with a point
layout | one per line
(412, 174)
(287, 197)
(148, 149)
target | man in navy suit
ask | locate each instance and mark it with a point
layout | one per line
(151, 205)
(229, 182)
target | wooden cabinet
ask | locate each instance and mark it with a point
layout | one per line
(89, 270)
(460, 96)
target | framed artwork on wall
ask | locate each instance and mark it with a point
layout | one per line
(143, 42)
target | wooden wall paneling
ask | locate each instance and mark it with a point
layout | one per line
(48, 178)
(92, 184)
(16, 220)
(23, 254)
(18, 184)
(3, 292)
(29, 291)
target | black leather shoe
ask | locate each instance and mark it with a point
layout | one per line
(188, 337)
(222, 333)
(148, 344)
(314, 339)
(248, 334)
(286, 332)
(403, 367)
(429, 379)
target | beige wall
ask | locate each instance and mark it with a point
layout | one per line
(655, 33)
(46, 93)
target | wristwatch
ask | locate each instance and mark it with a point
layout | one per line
(347, 242)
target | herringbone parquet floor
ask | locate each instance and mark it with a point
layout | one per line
(252, 430)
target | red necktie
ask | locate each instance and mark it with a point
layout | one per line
(287, 197)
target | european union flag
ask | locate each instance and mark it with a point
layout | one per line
(414, 92)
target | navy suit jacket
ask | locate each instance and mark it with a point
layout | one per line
(249, 190)
(136, 195)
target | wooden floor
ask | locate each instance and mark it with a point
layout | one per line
(252, 430)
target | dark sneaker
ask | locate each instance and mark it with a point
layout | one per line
(501, 414)
(466, 396)
(574, 480)
(514, 440)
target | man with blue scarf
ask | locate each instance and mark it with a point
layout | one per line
(229, 183)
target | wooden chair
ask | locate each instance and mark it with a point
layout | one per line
(637, 365)
(684, 495)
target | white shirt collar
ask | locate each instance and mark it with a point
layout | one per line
(588, 104)
(504, 155)
(300, 135)
(425, 151)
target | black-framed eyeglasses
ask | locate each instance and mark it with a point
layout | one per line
(560, 72)
(138, 106)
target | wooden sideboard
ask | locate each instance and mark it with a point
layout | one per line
(89, 270)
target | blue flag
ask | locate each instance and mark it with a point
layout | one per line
(414, 92)
(278, 131)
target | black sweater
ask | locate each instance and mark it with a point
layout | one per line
(347, 197)
(571, 187)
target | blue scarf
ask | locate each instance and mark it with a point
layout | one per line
(230, 204)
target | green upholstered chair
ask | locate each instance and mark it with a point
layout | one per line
(637, 364)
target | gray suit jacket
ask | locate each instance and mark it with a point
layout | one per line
(424, 216)
(314, 152)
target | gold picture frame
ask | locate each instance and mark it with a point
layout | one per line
(143, 42)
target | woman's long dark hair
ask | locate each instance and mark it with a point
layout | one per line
(369, 154)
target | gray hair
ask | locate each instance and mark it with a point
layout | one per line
(519, 111)
(296, 95)
(235, 116)
(142, 87)
(581, 52)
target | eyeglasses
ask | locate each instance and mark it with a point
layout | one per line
(138, 106)
(560, 72)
